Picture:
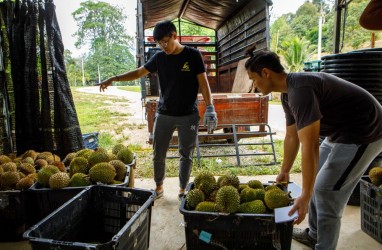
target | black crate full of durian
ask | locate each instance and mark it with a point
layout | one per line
(59, 182)
(223, 213)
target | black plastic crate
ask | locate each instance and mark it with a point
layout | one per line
(355, 197)
(234, 231)
(371, 209)
(90, 140)
(100, 217)
(42, 201)
(12, 215)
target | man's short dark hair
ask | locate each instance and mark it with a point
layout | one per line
(162, 29)
(262, 59)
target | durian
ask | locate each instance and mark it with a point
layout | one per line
(375, 175)
(255, 184)
(45, 173)
(102, 172)
(120, 169)
(79, 180)
(206, 206)
(59, 180)
(125, 155)
(276, 198)
(205, 181)
(252, 207)
(194, 197)
(228, 199)
(79, 164)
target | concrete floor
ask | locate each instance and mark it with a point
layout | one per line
(168, 232)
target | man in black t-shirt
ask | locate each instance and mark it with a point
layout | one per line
(320, 104)
(181, 73)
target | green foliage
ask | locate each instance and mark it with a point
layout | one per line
(190, 29)
(304, 24)
(99, 23)
(74, 69)
(355, 35)
(306, 18)
(295, 53)
(185, 28)
(280, 31)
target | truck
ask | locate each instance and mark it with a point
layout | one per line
(237, 24)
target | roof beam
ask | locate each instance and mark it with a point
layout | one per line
(184, 7)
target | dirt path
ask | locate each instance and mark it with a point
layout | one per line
(134, 99)
(138, 133)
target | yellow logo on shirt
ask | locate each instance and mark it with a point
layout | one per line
(185, 67)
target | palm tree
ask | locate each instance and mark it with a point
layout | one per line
(295, 53)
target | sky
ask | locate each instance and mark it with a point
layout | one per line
(68, 27)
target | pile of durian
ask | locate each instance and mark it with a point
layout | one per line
(82, 168)
(228, 195)
(375, 175)
(20, 172)
(87, 167)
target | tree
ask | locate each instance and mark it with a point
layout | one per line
(281, 31)
(353, 36)
(304, 24)
(306, 18)
(323, 5)
(73, 69)
(101, 29)
(295, 53)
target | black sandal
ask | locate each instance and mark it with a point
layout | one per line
(302, 236)
(158, 195)
(180, 196)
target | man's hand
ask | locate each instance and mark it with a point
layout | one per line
(103, 85)
(283, 178)
(210, 118)
(300, 205)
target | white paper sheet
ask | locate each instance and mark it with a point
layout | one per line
(281, 214)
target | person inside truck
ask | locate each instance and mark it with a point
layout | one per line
(320, 104)
(181, 73)
(372, 15)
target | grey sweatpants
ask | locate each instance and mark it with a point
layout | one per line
(164, 127)
(341, 166)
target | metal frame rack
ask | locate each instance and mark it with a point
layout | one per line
(232, 138)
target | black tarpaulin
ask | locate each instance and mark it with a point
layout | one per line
(41, 110)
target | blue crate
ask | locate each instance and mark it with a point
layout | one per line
(90, 140)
